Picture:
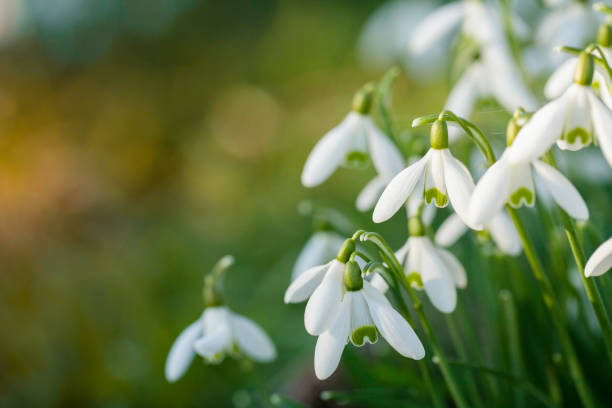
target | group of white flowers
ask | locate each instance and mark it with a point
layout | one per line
(346, 304)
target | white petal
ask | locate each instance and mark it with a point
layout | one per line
(303, 286)
(401, 253)
(490, 193)
(328, 153)
(434, 180)
(578, 119)
(436, 26)
(602, 122)
(462, 97)
(542, 130)
(384, 153)
(313, 254)
(360, 318)
(504, 234)
(450, 231)
(251, 339)
(391, 325)
(214, 342)
(562, 190)
(370, 194)
(323, 304)
(459, 185)
(561, 79)
(601, 260)
(181, 353)
(398, 190)
(437, 281)
(331, 343)
(454, 267)
(379, 283)
(521, 190)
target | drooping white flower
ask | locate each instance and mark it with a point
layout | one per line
(353, 140)
(218, 332)
(320, 247)
(440, 272)
(573, 121)
(362, 314)
(505, 182)
(444, 179)
(601, 260)
(500, 227)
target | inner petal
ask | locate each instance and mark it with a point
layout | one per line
(521, 189)
(435, 187)
(578, 129)
(363, 328)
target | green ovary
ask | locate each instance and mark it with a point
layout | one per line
(578, 133)
(359, 335)
(521, 194)
(435, 194)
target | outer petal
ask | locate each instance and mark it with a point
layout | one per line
(370, 194)
(454, 267)
(450, 231)
(181, 353)
(561, 79)
(398, 190)
(401, 253)
(542, 130)
(601, 260)
(562, 190)
(459, 185)
(504, 234)
(602, 122)
(490, 193)
(437, 281)
(436, 26)
(303, 286)
(251, 339)
(462, 97)
(214, 342)
(312, 254)
(328, 153)
(331, 343)
(379, 283)
(392, 326)
(321, 309)
(385, 155)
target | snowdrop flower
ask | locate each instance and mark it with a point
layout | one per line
(431, 268)
(572, 120)
(362, 314)
(322, 286)
(572, 24)
(500, 227)
(218, 332)
(601, 260)
(444, 179)
(512, 183)
(321, 246)
(350, 142)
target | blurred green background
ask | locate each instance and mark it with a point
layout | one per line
(140, 141)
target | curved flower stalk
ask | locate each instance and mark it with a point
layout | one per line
(501, 229)
(444, 179)
(218, 332)
(362, 314)
(600, 261)
(573, 121)
(356, 137)
(512, 183)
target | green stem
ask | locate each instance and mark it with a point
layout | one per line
(515, 350)
(589, 284)
(555, 311)
(389, 257)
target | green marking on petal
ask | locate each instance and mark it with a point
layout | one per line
(435, 194)
(356, 159)
(522, 194)
(415, 280)
(578, 133)
(359, 335)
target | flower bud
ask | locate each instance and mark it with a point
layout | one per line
(362, 101)
(352, 276)
(347, 248)
(415, 227)
(604, 35)
(438, 136)
(511, 131)
(584, 69)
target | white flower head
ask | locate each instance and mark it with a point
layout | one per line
(434, 269)
(352, 141)
(363, 313)
(573, 121)
(218, 332)
(601, 260)
(501, 229)
(443, 177)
